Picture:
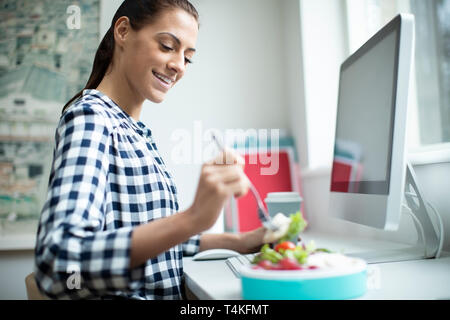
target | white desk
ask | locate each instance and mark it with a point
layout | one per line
(416, 279)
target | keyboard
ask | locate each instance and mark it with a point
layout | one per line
(234, 263)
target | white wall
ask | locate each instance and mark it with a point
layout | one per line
(294, 77)
(14, 267)
(324, 47)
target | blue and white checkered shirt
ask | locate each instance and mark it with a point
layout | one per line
(107, 177)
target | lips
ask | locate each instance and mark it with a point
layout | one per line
(164, 80)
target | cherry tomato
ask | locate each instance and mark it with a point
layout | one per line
(285, 245)
(265, 264)
(276, 266)
(289, 264)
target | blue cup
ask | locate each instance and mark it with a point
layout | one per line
(285, 202)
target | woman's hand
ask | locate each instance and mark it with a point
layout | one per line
(251, 241)
(220, 179)
(245, 242)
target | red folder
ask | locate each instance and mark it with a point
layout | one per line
(281, 181)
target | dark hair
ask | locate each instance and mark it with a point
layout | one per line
(140, 13)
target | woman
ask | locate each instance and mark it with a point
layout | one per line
(111, 216)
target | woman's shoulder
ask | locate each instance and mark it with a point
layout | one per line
(86, 110)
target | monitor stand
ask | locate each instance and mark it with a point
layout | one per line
(390, 255)
(415, 202)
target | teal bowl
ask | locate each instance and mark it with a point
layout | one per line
(318, 284)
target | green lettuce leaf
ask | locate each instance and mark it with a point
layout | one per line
(297, 225)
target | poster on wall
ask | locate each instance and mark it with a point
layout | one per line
(46, 53)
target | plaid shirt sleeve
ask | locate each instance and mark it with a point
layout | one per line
(191, 246)
(71, 240)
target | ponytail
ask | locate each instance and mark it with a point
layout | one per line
(102, 60)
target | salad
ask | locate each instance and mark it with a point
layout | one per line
(288, 228)
(285, 253)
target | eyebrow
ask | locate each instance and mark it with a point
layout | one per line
(176, 39)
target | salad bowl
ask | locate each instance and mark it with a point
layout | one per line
(345, 281)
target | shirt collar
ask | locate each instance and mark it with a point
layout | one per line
(139, 126)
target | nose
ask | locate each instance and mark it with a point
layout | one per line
(177, 64)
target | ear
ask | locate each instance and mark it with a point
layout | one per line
(121, 30)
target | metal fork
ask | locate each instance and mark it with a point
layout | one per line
(263, 215)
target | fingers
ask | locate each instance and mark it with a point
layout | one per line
(228, 179)
(238, 188)
(253, 240)
(227, 157)
(225, 173)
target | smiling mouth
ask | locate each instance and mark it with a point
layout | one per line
(164, 79)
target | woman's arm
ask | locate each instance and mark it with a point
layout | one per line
(246, 242)
(219, 179)
(71, 241)
(168, 232)
(151, 239)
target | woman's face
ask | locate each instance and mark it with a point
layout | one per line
(155, 57)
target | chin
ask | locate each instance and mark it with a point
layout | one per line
(156, 98)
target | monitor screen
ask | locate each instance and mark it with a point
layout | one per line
(369, 161)
(365, 118)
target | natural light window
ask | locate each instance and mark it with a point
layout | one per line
(429, 121)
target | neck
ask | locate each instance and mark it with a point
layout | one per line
(121, 92)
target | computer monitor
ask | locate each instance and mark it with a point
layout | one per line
(369, 162)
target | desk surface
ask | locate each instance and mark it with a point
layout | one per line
(415, 279)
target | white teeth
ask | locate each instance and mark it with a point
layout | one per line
(163, 78)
